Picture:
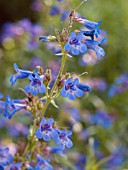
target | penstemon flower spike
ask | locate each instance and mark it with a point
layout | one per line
(40, 94)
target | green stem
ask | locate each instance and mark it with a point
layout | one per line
(48, 100)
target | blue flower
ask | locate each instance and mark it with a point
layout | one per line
(42, 164)
(36, 85)
(43, 38)
(91, 44)
(75, 44)
(88, 24)
(12, 107)
(15, 166)
(63, 139)
(92, 33)
(46, 131)
(54, 10)
(73, 88)
(21, 74)
(5, 157)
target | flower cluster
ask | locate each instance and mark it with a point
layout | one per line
(47, 131)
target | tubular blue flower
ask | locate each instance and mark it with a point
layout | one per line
(21, 74)
(46, 131)
(91, 44)
(12, 107)
(88, 24)
(5, 157)
(43, 38)
(36, 85)
(73, 88)
(75, 44)
(47, 38)
(63, 139)
(42, 164)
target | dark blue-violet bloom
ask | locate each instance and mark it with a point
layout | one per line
(63, 139)
(5, 157)
(43, 38)
(12, 107)
(46, 131)
(75, 44)
(92, 33)
(36, 84)
(102, 119)
(54, 10)
(93, 45)
(42, 164)
(73, 88)
(21, 74)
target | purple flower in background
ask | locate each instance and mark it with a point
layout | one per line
(64, 15)
(32, 44)
(54, 150)
(42, 164)
(12, 107)
(63, 140)
(17, 129)
(80, 161)
(91, 44)
(120, 84)
(25, 24)
(75, 44)
(54, 10)
(35, 61)
(102, 119)
(2, 106)
(36, 30)
(37, 5)
(46, 131)
(36, 85)
(117, 158)
(21, 74)
(5, 157)
(73, 88)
